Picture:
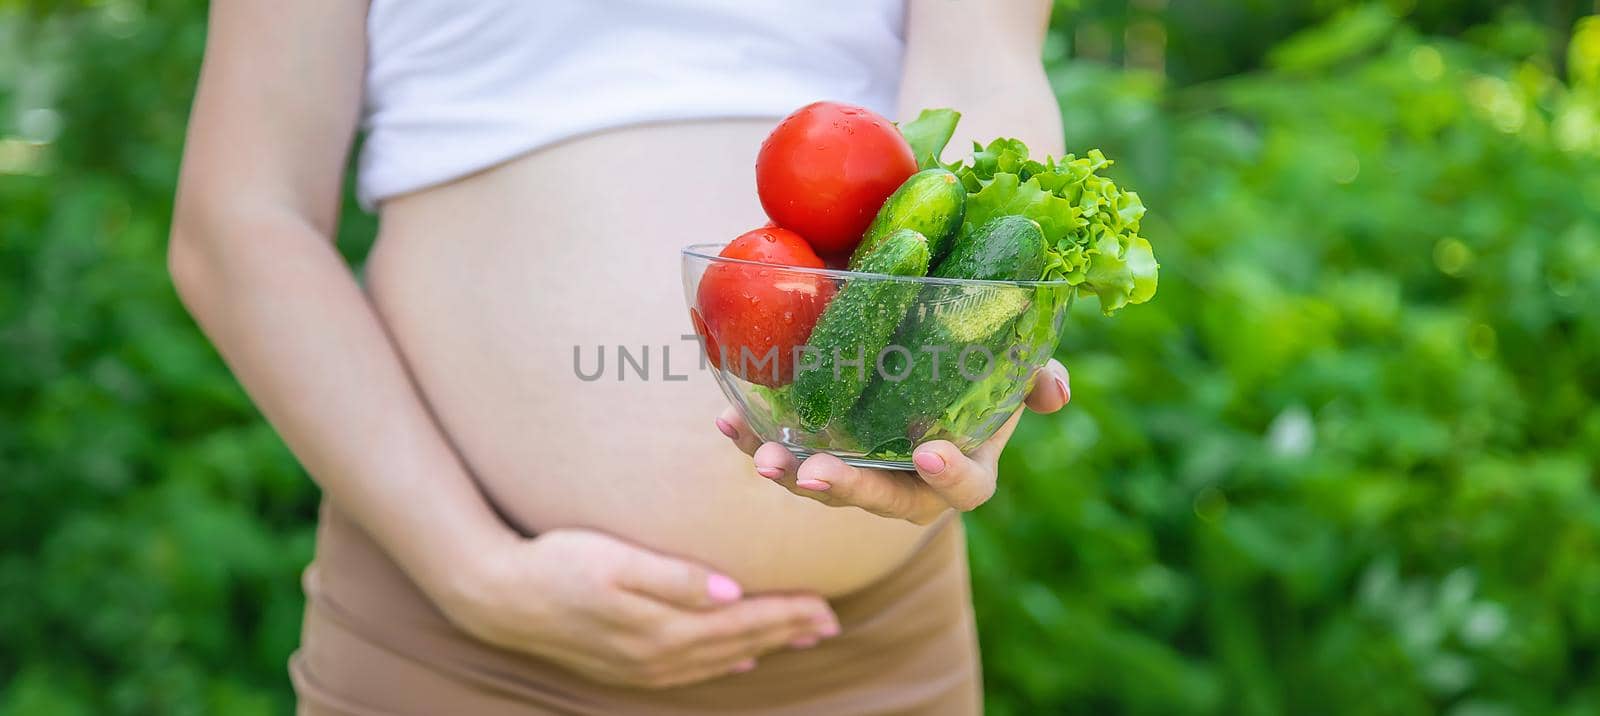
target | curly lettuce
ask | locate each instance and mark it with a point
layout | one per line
(1091, 224)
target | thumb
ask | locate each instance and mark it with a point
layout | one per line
(677, 582)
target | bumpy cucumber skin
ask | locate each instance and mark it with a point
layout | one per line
(1008, 248)
(862, 317)
(931, 202)
(891, 416)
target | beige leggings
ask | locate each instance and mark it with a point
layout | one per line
(373, 644)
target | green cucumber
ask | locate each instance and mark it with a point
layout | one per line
(855, 327)
(931, 202)
(1008, 248)
(951, 320)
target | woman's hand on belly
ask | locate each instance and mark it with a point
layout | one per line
(945, 477)
(617, 613)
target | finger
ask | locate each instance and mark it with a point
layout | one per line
(672, 645)
(1052, 388)
(733, 425)
(961, 482)
(775, 462)
(674, 581)
(756, 625)
(677, 670)
(989, 452)
(720, 640)
(897, 494)
(727, 637)
(702, 672)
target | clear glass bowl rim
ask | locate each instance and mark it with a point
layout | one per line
(708, 253)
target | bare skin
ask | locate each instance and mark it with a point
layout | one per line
(660, 559)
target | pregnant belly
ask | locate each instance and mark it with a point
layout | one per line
(514, 293)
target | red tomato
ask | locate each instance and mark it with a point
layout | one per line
(751, 318)
(772, 245)
(827, 168)
(713, 352)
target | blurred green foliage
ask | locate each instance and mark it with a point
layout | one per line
(1344, 462)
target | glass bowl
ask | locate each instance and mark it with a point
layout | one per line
(923, 358)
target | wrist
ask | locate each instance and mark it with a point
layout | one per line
(497, 592)
(458, 566)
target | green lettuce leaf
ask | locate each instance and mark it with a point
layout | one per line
(1091, 227)
(928, 133)
(1090, 224)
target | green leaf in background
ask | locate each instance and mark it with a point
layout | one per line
(929, 133)
(1350, 33)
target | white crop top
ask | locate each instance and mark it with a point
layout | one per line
(455, 86)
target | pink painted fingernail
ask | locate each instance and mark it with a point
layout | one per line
(804, 642)
(723, 590)
(817, 485)
(771, 473)
(1066, 393)
(829, 630)
(727, 429)
(744, 666)
(929, 461)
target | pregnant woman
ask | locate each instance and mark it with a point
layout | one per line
(497, 535)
